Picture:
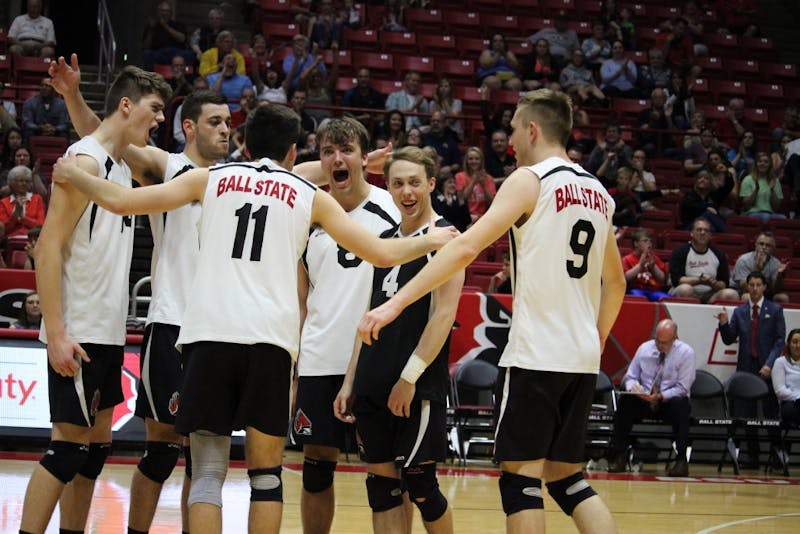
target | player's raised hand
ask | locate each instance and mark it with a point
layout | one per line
(372, 322)
(377, 158)
(64, 167)
(65, 78)
(722, 316)
(440, 235)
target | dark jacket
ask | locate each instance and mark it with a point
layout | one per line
(771, 335)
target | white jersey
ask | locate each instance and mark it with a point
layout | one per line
(176, 249)
(97, 262)
(557, 264)
(339, 289)
(254, 227)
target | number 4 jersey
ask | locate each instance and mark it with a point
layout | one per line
(557, 263)
(254, 226)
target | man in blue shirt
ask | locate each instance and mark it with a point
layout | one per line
(229, 83)
(656, 385)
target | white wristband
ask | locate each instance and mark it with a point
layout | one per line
(414, 368)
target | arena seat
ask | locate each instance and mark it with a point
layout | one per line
(398, 42)
(462, 22)
(436, 45)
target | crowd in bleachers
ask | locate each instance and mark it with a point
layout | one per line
(681, 110)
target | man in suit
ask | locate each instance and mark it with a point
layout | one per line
(760, 327)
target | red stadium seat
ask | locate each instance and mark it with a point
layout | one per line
(471, 47)
(661, 13)
(766, 94)
(760, 48)
(733, 245)
(780, 70)
(345, 59)
(436, 45)
(508, 25)
(628, 109)
(743, 69)
(520, 48)
(423, 20)
(724, 90)
(379, 63)
(462, 22)
(30, 70)
(361, 39)
(458, 70)
(424, 65)
(5, 68)
(278, 31)
(274, 10)
(711, 65)
(398, 42)
(726, 45)
(521, 7)
(748, 226)
(479, 273)
(487, 6)
(551, 8)
(658, 220)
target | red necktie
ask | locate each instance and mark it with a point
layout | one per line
(754, 332)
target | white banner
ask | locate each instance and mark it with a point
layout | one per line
(23, 387)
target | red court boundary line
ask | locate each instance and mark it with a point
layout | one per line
(484, 472)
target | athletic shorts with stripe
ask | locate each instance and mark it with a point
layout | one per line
(314, 422)
(406, 441)
(97, 386)
(228, 386)
(543, 414)
(161, 373)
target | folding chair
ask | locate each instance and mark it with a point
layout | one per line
(472, 391)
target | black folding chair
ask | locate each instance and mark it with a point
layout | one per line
(742, 390)
(472, 391)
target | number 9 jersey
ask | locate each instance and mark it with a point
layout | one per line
(254, 227)
(556, 268)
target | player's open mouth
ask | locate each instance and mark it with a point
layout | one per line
(409, 205)
(340, 176)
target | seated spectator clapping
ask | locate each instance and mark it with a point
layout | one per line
(761, 191)
(498, 66)
(645, 273)
(761, 259)
(786, 379)
(22, 210)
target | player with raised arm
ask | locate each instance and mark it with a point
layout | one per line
(568, 287)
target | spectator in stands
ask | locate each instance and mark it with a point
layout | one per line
(596, 47)
(164, 38)
(743, 157)
(247, 103)
(609, 155)
(697, 121)
(501, 281)
(682, 101)
(24, 156)
(789, 126)
(618, 73)
(450, 203)
(628, 209)
(735, 124)
(180, 84)
(272, 88)
(213, 59)
(660, 377)
(498, 67)
(761, 191)
(259, 59)
(654, 74)
(499, 163)
(445, 142)
(310, 150)
(30, 246)
(394, 16)
(704, 201)
(307, 122)
(12, 142)
(409, 100)
(762, 260)
(698, 269)
(786, 380)
(541, 68)
(325, 26)
(178, 135)
(8, 115)
(500, 119)
(619, 23)
(644, 180)
(658, 117)
(394, 128)
(363, 96)
(350, 15)
(45, 114)
(779, 156)
(475, 184)
(724, 182)
(677, 46)
(693, 17)
(32, 34)
(760, 328)
(229, 82)
(30, 315)
(578, 82)
(414, 138)
(697, 153)
(444, 101)
(575, 155)
(205, 37)
(319, 85)
(22, 210)
(739, 17)
(645, 273)
(563, 40)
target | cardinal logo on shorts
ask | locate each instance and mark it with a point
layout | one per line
(302, 424)
(174, 403)
(95, 403)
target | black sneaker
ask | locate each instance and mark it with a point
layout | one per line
(679, 469)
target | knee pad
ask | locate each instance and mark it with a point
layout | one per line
(212, 452)
(519, 493)
(64, 459)
(98, 452)
(423, 490)
(265, 484)
(384, 493)
(570, 492)
(187, 458)
(159, 460)
(317, 475)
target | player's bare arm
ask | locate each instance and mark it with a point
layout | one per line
(513, 205)
(445, 305)
(613, 289)
(380, 252)
(343, 403)
(67, 204)
(186, 188)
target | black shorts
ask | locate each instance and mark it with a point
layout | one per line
(314, 422)
(384, 437)
(161, 372)
(97, 386)
(544, 415)
(228, 386)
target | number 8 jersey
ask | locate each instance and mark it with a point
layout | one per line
(254, 227)
(556, 267)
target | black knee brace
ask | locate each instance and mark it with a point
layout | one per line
(570, 492)
(384, 493)
(187, 457)
(423, 489)
(98, 452)
(317, 475)
(519, 493)
(159, 460)
(265, 484)
(64, 459)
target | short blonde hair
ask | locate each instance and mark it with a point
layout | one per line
(414, 155)
(550, 110)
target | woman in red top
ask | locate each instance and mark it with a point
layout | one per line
(644, 271)
(541, 68)
(477, 185)
(22, 210)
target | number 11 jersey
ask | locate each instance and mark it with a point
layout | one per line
(556, 267)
